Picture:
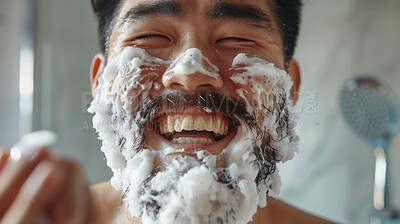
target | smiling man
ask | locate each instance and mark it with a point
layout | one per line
(193, 104)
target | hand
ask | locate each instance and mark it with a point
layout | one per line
(40, 188)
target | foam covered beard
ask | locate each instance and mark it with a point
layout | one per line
(194, 190)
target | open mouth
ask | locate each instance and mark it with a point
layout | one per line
(194, 128)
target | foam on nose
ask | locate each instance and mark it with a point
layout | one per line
(193, 61)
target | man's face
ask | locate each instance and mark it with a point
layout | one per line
(166, 29)
(194, 50)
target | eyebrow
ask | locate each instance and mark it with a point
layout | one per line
(222, 10)
(162, 7)
(258, 17)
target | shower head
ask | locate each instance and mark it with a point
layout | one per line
(371, 109)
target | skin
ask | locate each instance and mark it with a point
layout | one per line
(44, 188)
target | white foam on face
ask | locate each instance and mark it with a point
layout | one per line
(126, 80)
(187, 190)
(191, 62)
(267, 84)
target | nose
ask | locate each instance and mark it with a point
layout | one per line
(192, 72)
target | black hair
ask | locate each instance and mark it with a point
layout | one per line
(105, 11)
(288, 16)
(287, 13)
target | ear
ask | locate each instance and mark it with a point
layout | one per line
(295, 73)
(96, 69)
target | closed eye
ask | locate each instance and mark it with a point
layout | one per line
(238, 39)
(150, 36)
(150, 41)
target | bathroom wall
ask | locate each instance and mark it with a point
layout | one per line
(332, 174)
(66, 41)
(10, 30)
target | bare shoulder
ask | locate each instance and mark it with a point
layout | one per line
(278, 211)
(106, 200)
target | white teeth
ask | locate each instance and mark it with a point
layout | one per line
(222, 130)
(202, 140)
(179, 140)
(210, 124)
(164, 127)
(200, 123)
(217, 125)
(187, 124)
(178, 123)
(189, 140)
(192, 140)
(171, 124)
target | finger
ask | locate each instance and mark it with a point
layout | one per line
(42, 187)
(4, 155)
(14, 174)
(42, 219)
(74, 206)
(92, 215)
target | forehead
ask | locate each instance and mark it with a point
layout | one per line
(207, 18)
(193, 8)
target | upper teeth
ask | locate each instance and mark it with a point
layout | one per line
(178, 123)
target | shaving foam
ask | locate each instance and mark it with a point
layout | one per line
(193, 61)
(189, 189)
(269, 85)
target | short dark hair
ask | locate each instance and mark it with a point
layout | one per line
(105, 11)
(287, 13)
(288, 16)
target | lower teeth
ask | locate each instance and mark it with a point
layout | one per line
(191, 140)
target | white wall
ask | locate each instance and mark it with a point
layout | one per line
(66, 41)
(332, 174)
(10, 29)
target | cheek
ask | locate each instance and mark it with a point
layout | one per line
(135, 84)
(258, 92)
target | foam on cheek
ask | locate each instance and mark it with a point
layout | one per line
(268, 84)
(126, 79)
(263, 77)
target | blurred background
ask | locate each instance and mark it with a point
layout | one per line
(46, 48)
